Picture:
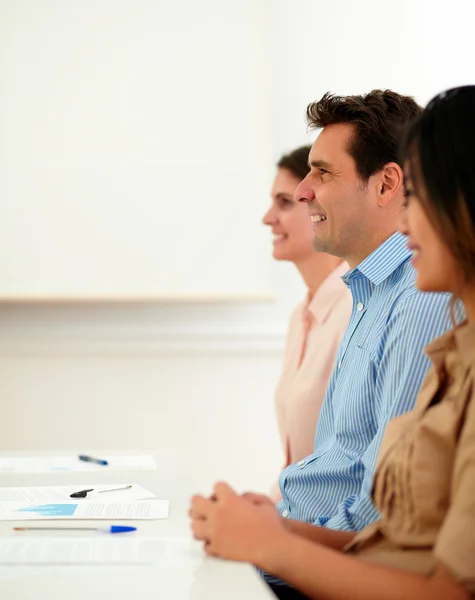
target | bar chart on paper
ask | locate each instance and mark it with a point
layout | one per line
(50, 510)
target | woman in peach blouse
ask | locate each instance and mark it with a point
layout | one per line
(423, 545)
(316, 325)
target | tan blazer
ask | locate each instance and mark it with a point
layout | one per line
(424, 486)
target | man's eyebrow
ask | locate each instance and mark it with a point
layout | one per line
(320, 164)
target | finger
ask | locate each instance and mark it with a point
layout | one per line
(194, 514)
(210, 550)
(197, 498)
(223, 490)
(200, 530)
(200, 506)
(257, 499)
(252, 496)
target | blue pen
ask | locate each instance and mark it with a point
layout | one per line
(111, 529)
(98, 461)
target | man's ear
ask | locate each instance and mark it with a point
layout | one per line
(390, 183)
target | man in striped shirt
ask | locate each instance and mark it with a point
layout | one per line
(355, 195)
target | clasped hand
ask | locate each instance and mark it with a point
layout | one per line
(235, 527)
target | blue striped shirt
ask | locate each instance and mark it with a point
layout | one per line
(379, 369)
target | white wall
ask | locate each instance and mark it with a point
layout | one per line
(216, 403)
(113, 109)
(202, 376)
(145, 376)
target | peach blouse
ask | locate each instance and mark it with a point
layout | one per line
(316, 328)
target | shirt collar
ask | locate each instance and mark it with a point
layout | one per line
(383, 261)
(327, 295)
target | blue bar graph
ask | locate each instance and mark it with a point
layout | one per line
(51, 510)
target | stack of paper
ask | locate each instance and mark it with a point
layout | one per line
(45, 464)
(54, 502)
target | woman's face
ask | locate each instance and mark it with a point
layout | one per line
(289, 220)
(437, 269)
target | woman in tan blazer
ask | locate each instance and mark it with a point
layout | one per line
(423, 546)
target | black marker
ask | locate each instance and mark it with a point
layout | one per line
(98, 461)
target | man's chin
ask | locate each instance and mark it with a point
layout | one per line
(320, 246)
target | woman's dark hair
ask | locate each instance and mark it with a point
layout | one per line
(438, 149)
(377, 118)
(296, 162)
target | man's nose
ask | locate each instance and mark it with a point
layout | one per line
(304, 192)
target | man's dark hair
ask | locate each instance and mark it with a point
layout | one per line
(377, 118)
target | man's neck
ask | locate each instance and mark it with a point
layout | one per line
(357, 258)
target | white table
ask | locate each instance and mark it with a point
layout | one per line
(190, 575)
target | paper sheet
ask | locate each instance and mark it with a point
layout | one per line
(56, 493)
(97, 550)
(45, 464)
(139, 510)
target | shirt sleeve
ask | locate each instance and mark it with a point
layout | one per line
(455, 544)
(400, 369)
